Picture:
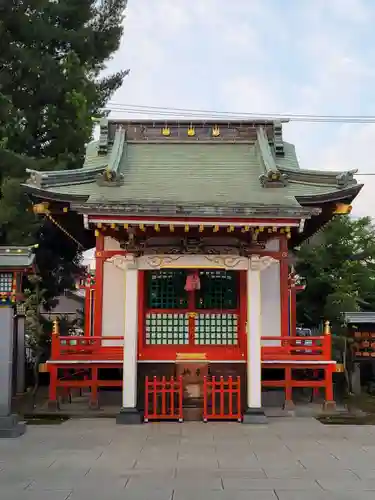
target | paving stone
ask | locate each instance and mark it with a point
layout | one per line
(323, 495)
(224, 495)
(270, 484)
(12, 494)
(347, 485)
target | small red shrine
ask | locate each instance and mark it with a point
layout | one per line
(192, 225)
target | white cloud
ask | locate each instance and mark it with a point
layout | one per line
(296, 56)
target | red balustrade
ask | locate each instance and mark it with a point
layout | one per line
(79, 348)
(222, 399)
(163, 399)
(298, 348)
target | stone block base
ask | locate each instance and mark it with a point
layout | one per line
(254, 416)
(10, 427)
(53, 405)
(329, 406)
(129, 416)
(289, 407)
(94, 405)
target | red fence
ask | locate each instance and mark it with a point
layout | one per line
(222, 399)
(298, 348)
(79, 347)
(163, 399)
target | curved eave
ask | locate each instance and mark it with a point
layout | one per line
(335, 196)
(43, 194)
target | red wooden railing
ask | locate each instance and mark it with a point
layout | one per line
(163, 399)
(298, 348)
(222, 399)
(79, 348)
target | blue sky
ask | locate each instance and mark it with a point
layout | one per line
(270, 56)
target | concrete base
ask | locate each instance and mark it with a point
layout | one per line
(129, 416)
(329, 406)
(94, 405)
(289, 407)
(254, 416)
(53, 405)
(10, 427)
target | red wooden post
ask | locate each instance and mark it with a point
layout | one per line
(329, 384)
(239, 412)
(52, 390)
(230, 389)
(288, 385)
(94, 402)
(284, 291)
(180, 398)
(146, 399)
(222, 388)
(154, 397)
(163, 397)
(99, 274)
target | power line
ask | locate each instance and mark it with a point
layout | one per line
(165, 112)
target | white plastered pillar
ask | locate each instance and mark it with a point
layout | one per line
(129, 413)
(254, 412)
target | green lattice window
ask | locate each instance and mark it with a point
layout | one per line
(6, 280)
(166, 289)
(218, 329)
(166, 328)
(218, 290)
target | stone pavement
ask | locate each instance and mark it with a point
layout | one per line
(290, 459)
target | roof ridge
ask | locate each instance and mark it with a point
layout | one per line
(339, 179)
(272, 177)
(111, 176)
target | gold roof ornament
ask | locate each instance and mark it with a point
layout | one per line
(171, 228)
(191, 131)
(215, 131)
(342, 209)
(216, 229)
(166, 131)
(41, 208)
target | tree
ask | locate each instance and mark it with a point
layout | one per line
(339, 269)
(52, 58)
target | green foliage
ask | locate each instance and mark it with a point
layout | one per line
(52, 58)
(339, 269)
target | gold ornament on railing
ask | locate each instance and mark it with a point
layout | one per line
(327, 328)
(55, 327)
(166, 131)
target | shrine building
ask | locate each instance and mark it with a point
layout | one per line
(194, 295)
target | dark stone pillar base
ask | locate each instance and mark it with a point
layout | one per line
(53, 405)
(329, 406)
(129, 416)
(254, 416)
(94, 405)
(10, 427)
(289, 407)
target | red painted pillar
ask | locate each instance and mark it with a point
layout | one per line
(87, 306)
(293, 306)
(99, 273)
(284, 290)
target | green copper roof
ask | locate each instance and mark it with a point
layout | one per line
(16, 257)
(254, 170)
